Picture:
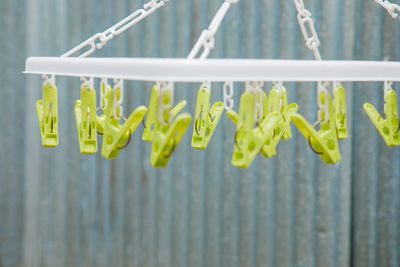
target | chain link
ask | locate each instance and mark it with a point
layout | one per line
(310, 35)
(118, 98)
(256, 89)
(392, 9)
(99, 40)
(228, 95)
(207, 37)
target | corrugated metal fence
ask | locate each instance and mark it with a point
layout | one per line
(59, 208)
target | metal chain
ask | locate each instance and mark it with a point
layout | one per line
(392, 9)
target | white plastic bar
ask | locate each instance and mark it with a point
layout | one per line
(216, 70)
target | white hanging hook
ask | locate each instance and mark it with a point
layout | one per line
(323, 107)
(49, 79)
(87, 82)
(206, 85)
(166, 100)
(118, 98)
(103, 93)
(228, 95)
(256, 89)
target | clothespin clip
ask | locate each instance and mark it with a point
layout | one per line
(388, 128)
(169, 127)
(117, 136)
(47, 112)
(206, 120)
(152, 114)
(278, 103)
(249, 141)
(86, 118)
(340, 110)
(325, 141)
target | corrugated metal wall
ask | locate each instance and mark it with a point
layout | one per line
(59, 208)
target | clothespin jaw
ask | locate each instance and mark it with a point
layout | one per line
(278, 103)
(47, 112)
(168, 130)
(167, 138)
(341, 112)
(325, 141)
(86, 120)
(206, 120)
(116, 136)
(388, 128)
(152, 114)
(249, 140)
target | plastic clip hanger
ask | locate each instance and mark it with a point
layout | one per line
(86, 120)
(168, 134)
(341, 111)
(388, 128)
(325, 141)
(278, 103)
(117, 137)
(206, 120)
(47, 112)
(249, 141)
(152, 114)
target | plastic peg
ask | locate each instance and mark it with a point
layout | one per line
(115, 136)
(388, 128)
(325, 141)
(206, 120)
(341, 112)
(47, 112)
(249, 140)
(152, 114)
(86, 121)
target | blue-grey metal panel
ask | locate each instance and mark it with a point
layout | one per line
(60, 208)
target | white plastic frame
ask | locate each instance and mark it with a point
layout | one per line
(216, 70)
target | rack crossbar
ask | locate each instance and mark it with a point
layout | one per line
(216, 70)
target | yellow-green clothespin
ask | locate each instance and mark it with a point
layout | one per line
(206, 120)
(86, 120)
(168, 130)
(340, 111)
(388, 128)
(249, 140)
(325, 141)
(152, 114)
(278, 103)
(47, 112)
(115, 136)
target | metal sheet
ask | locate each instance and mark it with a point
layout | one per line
(59, 208)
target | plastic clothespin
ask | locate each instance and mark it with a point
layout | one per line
(86, 120)
(115, 136)
(47, 112)
(249, 141)
(340, 111)
(166, 135)
(388, 128)
(278, 103)
(206, 120)
(325, 141)
(152, 114)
